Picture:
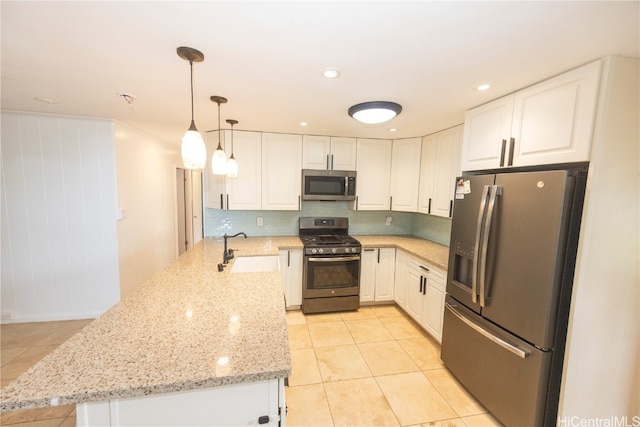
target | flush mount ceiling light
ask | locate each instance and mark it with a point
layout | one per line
(219, 158)
(194, 153)
(232, 164)
(375, 111)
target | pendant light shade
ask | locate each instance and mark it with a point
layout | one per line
(375, 111)
(219, 158)
(232, 164)
(194, 153)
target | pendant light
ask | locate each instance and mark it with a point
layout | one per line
(232, 164)
(219, 158)
(194, 153)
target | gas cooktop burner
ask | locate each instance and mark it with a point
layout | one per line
(326, 236)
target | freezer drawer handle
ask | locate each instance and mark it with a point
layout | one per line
(509, 347)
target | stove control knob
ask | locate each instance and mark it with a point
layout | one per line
(334, 250)
(313, 251)
(346, 250)
(321, 250)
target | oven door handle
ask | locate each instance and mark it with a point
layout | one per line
(334, 259)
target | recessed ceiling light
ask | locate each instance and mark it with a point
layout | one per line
(331, 73)
(304, 124)
(484, 86)
(393, 130)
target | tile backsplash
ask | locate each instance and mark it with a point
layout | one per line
(285, 223)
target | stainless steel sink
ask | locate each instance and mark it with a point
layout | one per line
(255, 264)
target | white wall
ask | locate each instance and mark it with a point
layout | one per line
(147, 235)
(59, 248)
(601, 377)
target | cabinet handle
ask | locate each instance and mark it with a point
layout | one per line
(221, 202)
(369, 250)
(288, 258)
(227, 202)
(263, 419)
(378, 256)
(390, 202)
(332, 161)
(328, 165)
(421, 277)
(504, 147)
(450, 208)
(429, 207)
(424, 268)
(299, 203)
(424, 288)
(512, 143)
(356, 202)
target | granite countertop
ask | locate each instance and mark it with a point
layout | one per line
(188, 327)
(434, 253)
(173, 333)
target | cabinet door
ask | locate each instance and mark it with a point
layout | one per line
(316, 152)
(427, 173)
(281, 171)
(385, 274)
(553, 120)
(447, 168)
(401, 280)
(405, 174)
(291, 267)
(244, 192)
(433, 312)
(215, 191)
(415, 289)
(487, 130)
(368, 262)
(343, 154)
(374, 175)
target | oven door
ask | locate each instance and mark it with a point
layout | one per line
(329, 276)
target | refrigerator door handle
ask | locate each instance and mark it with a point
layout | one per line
(502, 343)
(476, 248)
(497, 191)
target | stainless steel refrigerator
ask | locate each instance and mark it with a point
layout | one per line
(513, 246)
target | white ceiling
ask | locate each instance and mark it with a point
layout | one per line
(267, 57)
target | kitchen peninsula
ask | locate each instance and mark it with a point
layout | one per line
(192, 343)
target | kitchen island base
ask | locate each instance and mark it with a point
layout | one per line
(233, 405)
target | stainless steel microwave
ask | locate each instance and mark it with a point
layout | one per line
(328, 185)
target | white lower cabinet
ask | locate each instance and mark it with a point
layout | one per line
(420, 291)
(233, 405)
(377, 271)
(291, 269)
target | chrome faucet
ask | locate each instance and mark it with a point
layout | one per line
(228, 254)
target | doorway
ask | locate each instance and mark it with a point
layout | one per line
(189, 208)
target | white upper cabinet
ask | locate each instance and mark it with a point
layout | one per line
(487, 130)
(244, 192)
(550, 122)
(405, 174)
(440, 165)
(324, 152)
(374, 175)
(281, 171)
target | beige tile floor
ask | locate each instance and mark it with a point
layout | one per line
(22, 345)
(373, 367)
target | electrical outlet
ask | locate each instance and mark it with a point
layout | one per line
(388, 221)
(259, 222)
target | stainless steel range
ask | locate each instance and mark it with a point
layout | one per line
(331, 267)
